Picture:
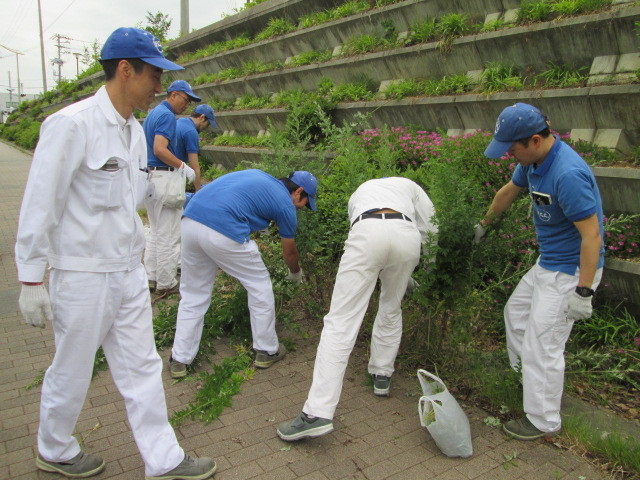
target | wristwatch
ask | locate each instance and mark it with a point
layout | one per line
(585, 291)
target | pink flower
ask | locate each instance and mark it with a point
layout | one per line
(637, 341)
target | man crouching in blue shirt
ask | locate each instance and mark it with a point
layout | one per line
(567, 214)
(216, 230)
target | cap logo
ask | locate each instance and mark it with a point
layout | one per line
(497, 127)
(156, 43)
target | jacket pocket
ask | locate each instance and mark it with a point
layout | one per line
(106, 185)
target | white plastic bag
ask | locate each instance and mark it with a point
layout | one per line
(175, 189)
(442, 416)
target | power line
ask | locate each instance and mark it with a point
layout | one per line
(58, 17)
(16, 21)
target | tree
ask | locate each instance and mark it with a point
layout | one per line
(91, 55)
(157, 24)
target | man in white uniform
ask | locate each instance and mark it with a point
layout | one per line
(390, 219)
(79, 215)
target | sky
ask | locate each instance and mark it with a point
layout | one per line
(82, 21)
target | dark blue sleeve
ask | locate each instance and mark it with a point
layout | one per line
(576, 195)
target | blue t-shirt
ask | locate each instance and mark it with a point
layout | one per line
(160, 121)
(239, 203)
(563, 190)
(187, 139)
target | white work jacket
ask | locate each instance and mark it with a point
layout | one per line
(79, 210)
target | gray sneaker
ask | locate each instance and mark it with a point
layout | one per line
(381, 385)
(304, 427)
(264, 360)
(82, 465)
(190, 469)
(523, 429)
(177, 369)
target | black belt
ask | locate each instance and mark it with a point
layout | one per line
(166, 169)
(381, 216)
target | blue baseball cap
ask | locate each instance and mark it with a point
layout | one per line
(135, 43)
(207, 111)
(516, 122)
(182, 86)
(309, 184)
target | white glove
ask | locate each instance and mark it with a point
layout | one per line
(579, 307)
(189, 172)
(35, 305)
(478, 233)
(411, 286)
(295, 277)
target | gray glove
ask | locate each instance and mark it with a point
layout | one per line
(580, 307)
(35, 305)
(478, 233)
(296, 278)
(411, 286)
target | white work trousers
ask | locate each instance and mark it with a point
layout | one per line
(537, 330)
(204, 252)
(162, 251)
(390, 250)
(113, 310)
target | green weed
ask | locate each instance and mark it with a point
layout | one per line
(217, 389)
(563, 76)
(275, 27)
(622, 452)
(498, 77)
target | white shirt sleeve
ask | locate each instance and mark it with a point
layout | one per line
(58, 155)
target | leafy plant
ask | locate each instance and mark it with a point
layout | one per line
(423, 31)
(452, 25)
(218, 389)
(275, 27)
(563, 76)
(498, 77)
(534, 11)
(351, 92)
(362, 44)
(622, 235)
(313, 56)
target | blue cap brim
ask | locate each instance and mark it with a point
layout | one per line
(162, 63)
(213, 124)
(312, 203)
(496, 148)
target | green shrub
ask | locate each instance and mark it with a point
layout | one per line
(562, 76)
(351, 92)
(498, 77)
(313, 56)
(362, 44)
(275, 27)
(404, 88)
(452, 25)
(535, 11)
(423, 31)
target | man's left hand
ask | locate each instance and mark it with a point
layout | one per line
(580, 307)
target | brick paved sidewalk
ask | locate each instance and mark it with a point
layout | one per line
(375, 438)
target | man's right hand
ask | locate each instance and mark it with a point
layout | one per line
(296, 278)
(478, 233)
(189, 172)
(35, 305)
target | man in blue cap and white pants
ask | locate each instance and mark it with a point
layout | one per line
(162, 253)
(216, 230)
(187, 143)
(79, 216)
(558, 290)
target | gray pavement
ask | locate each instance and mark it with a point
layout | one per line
(375, 438)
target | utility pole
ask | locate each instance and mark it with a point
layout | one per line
(77, 55)
(17, 67)
(10, 90)
(44, 71)
(184, 17)
(61, 42)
